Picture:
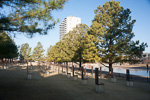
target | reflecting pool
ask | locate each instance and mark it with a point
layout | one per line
(139, 72)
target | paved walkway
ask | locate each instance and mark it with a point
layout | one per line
(15, 86)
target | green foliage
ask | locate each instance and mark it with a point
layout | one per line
(29, 16)
(135, 52)
(89, 52)
(84, 48)
(38, 52)
(49, 53)
(58, 53)
(112, 29)
(25, 52)
(8, 48)
(53, 53)
(76, 46)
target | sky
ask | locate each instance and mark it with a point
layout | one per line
(140, 11)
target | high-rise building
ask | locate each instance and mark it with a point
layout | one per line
(67, 25)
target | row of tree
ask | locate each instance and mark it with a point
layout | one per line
(76, 46)
(9, 50)
(108, 40)
(25, 16)
(27, 55)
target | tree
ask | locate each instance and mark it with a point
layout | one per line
(70, 43)
(8, 48)
(49, 53)
(38, 52)
(25, 52)
(78, 45)
(134, 55)
(54, 53)
(112, 28)
(86, 49)
(89, 53)
(29, 16)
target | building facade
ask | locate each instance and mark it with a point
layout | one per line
(67, 25)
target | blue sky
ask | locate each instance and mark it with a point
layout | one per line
(140, 10)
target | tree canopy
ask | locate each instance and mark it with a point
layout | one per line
(8, 48)
(38, 52)
(76, 46)
(28, 16)
(112, 28)
(25, 52)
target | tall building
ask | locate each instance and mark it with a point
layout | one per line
(67, 25)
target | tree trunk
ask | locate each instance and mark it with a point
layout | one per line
(110, 68)
(92, 70)
(30, 63)
(110, 60)
(67, 66)
(80, 59)
(72, 69)
(9, 60)
(62, 67)
(27, 67)
(80, 63)
(2, 59)
(39, 63)
(5, 60)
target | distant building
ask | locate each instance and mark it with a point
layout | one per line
(67, 25)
